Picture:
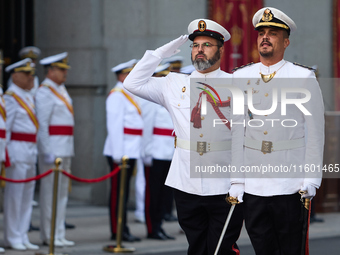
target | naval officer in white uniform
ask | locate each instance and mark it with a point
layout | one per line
(55, 139)
(271, 200)
(125, 129)
(200, 201)
(21, 127)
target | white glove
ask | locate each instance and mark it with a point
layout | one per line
(170, 48)
(49, 158)
(147, 160)
(310, 190)
(237, 190)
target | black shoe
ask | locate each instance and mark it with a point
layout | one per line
(167, 236)
(69, 226)
(157, 235)
(127, 237)
(170, 218)
(33, 228)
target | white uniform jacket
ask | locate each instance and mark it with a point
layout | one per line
(274, 128)
(169, 92)
(19, 122)
(2, 129)
(163, 135)
(148, 114)
(124, 126)
(54, 118)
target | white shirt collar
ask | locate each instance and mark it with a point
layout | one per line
(270, 69)
(213, 74)
(52, 83)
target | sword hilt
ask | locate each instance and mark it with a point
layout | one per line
(232, 200)
(305, 201)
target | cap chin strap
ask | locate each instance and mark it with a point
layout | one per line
(261, 24)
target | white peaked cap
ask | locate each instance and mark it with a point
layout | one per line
(125, 67)
(24, 65)
(187, 69)
(206, 27)
(60, 60)
(29, 52)
(272, 17)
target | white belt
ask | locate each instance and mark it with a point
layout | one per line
(202, 146)
(268, 146)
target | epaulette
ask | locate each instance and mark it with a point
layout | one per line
(237, 68)
(309, 68)
(11, 93)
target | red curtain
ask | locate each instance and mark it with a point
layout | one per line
(336, 52)
(236, 16)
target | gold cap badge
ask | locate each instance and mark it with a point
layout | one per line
(267, 15)
(202, 25)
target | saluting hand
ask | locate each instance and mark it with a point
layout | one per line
(171, 48)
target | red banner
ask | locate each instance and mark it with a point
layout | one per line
(236, 16)
(336, 52)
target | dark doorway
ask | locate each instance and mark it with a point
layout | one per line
(16, 30)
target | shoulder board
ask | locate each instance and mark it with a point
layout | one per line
(11, 93)
(309, 68)
(237, 68)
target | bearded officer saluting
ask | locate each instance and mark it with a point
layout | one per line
(200, 204)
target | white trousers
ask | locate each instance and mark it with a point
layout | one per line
(18, 203)
(140, 189)
(46, 199)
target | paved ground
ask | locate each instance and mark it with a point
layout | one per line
(92, 234)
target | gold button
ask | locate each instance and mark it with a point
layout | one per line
(264, 153)
(179, 104)
(201, 153)
(266, 94)
(265, 132)
(202, 118)
(201, 135)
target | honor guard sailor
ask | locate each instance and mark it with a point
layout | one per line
(160, 148)
(55, 139)
(200, 201)
(125, 128)
(21, 133)
(33, 53)
(271, 200)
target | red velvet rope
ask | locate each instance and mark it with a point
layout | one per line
(114, 171)
(35, 178)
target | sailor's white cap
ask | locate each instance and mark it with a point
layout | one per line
(206, 27)
(125, 67)
(24, 65)
(174, 61)
(163, 69)
(29, 52)
(187, 69)
(60, 60)
(272, 17)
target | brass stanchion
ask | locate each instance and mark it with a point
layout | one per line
(119, 248)
(57, 163)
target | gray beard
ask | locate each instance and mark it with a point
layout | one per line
(201, 64)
